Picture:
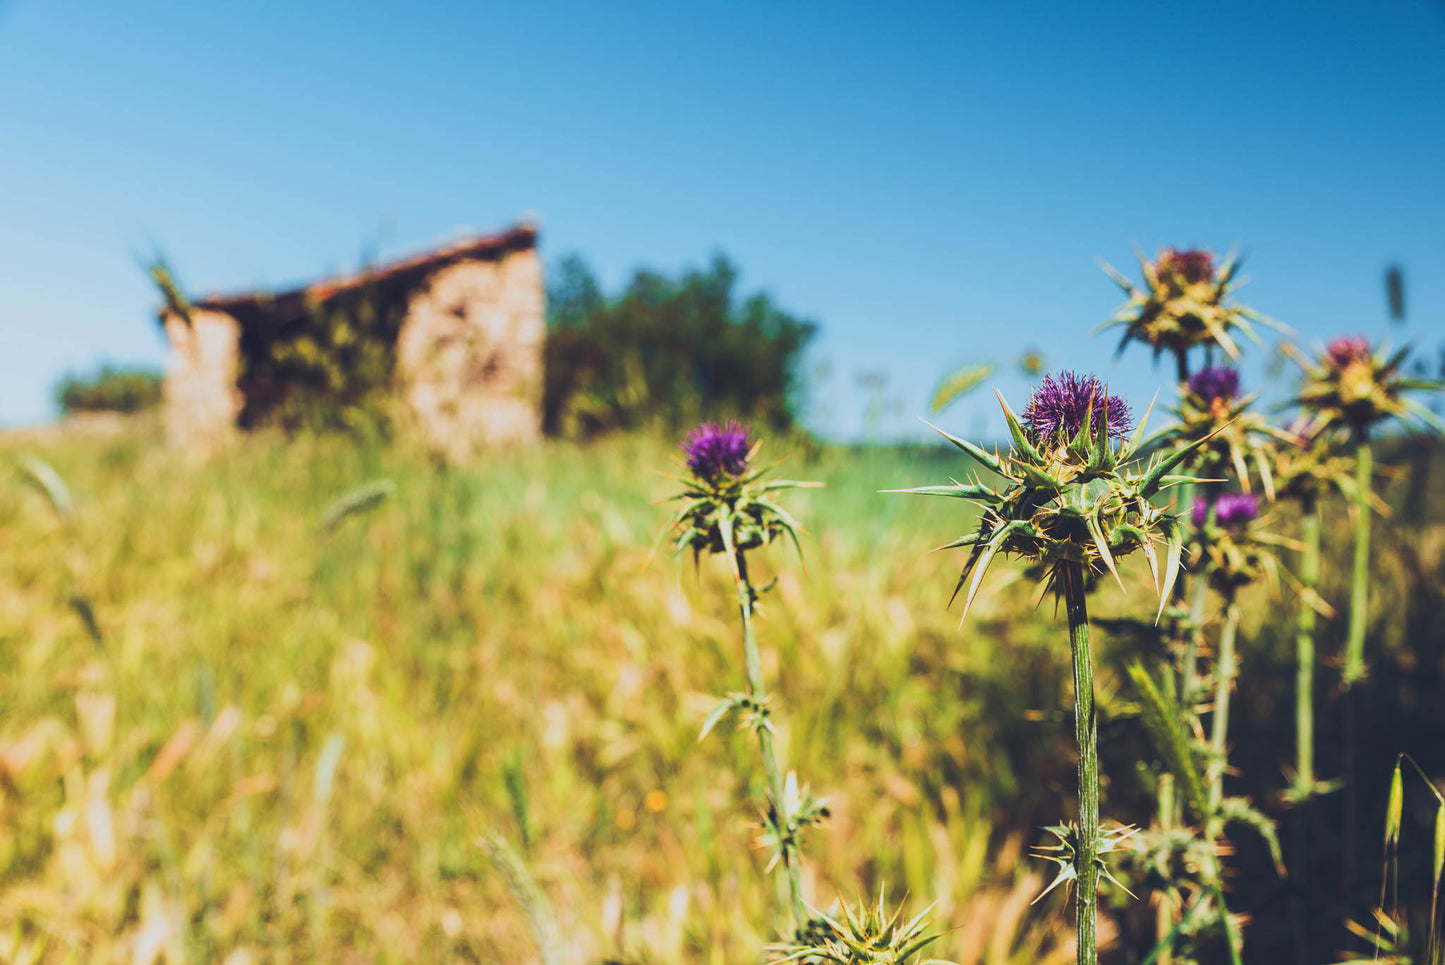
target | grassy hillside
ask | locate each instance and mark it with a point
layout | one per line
(229, 735)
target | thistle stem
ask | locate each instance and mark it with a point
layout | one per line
(1086, 733)
(1354, 668)
(787, 829)
(1224, 671)
(1360, 575)
(1309, 575)
(1226, 666)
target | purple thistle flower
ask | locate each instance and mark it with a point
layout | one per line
(1234, 511)
(1059, 407)
(1215, 383)
(714, 449)
(1200, 514)
(1193, 265)
(1349, 348)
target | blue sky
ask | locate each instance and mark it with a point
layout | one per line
(932, 183)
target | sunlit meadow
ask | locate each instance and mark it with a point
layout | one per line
(326, 698)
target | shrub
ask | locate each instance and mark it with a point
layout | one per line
(109, 390)
(667, 351)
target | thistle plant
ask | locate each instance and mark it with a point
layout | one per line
(1073, 502)
(1185, 302)
(1181, 857)
(1350, 387)
(1239, 439)
(727, 509)
(1306, 469)
(869, 935)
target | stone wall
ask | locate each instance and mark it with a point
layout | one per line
(201, 401)
(469, 355)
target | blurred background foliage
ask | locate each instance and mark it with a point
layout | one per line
(666, 351)
(110, 389)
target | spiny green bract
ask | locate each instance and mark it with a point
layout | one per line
(869, 935)
(1184, 302)
(1068, 500)
(727, 513)
(1232, 436)
(1348, 386)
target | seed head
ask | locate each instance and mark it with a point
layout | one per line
(714, 449)
(1061, 406)
(1215, 383)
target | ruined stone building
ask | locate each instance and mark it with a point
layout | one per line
(456, 333)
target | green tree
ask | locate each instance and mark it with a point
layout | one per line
(667, 351)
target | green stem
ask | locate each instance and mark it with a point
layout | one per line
(787, 829)
(1304, 715)
(1226, 666)
(1225, 669)
(1354, 669)
(1086, 733)
(1164, 913)
(1198, 600)
(1360, 575)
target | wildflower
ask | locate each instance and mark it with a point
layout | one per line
(1347, 349)
(1212, 410)
(1213, 384)
(1185, 301)
(1234, 511)
(1070, 497)
(1350, 386)
(715, 449)
(1191, 267)
(1071, 502)
(726, 509)
(1060, 407)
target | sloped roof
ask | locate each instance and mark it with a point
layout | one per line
(294, 304)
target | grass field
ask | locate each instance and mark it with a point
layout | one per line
(281, 744)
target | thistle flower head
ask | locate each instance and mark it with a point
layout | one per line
(1234, 548)
(1191, 266)
(1232, 511)
(714, 449)
(1069, 493)
(1350, 386)
(1215, 383)
(1185, 301)
(1060, 407)
(1233, 439)
(1347, 349)
(1236, 510)
(726, 507)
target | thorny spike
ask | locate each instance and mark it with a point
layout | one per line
(990, 461)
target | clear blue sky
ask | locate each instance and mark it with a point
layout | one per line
(932, 183)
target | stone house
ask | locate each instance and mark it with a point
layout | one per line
(458, 331)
